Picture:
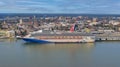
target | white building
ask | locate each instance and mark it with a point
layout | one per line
(113, 22)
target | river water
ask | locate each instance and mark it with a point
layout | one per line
(17, 53)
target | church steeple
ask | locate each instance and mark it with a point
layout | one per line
(20, 21)
(4, 22)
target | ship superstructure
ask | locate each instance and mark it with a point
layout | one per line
(59, 37)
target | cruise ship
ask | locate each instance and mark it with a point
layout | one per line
(59, 37)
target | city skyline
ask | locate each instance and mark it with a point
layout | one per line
(60, 6)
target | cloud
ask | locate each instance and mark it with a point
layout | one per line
(30, 2)
(2, 3)
(60, 6)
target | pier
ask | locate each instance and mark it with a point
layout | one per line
(108, 37)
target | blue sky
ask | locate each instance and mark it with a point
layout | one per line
(60, 6)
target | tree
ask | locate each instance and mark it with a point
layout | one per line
(0, 25)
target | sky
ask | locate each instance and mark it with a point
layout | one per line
(60, 6)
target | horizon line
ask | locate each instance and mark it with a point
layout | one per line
(65, 13)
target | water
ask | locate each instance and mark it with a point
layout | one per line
(17, 53)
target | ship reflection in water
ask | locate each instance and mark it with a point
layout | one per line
(59, 46)
(62, 54)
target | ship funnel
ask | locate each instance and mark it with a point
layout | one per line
(73, 28)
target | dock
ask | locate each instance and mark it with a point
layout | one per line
(108, 37)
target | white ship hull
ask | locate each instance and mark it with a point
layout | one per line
(59, 40)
